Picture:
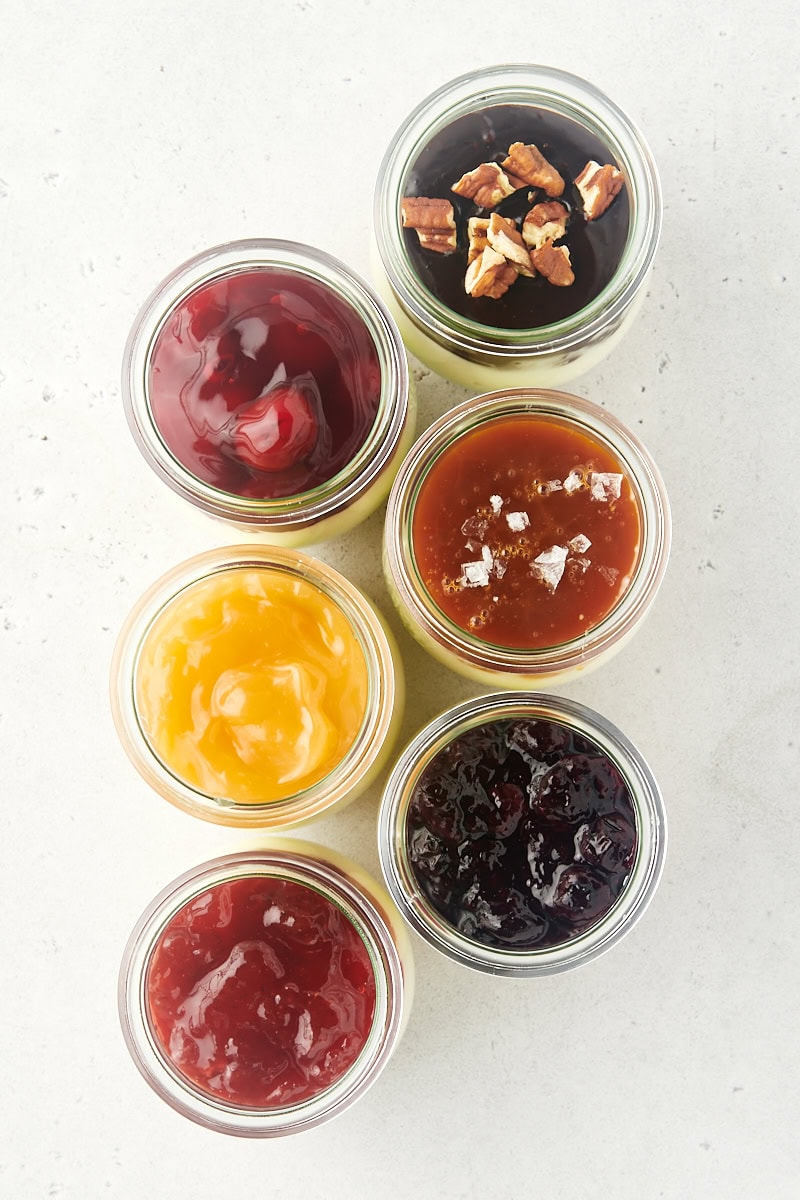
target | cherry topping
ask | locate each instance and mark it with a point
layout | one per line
(279, 429)
(581, 895)
(521, 834)
(607, 842)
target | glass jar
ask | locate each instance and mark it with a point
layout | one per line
(578, 722)
(464, 347)
(468, 652)
(256, 687)
(368, 913)
(198, 452)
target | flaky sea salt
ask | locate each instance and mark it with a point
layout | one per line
(610, 574)
(579, 565)
(496, 503)
(475, 574)
(573, 482)
(517, 521)
(548, 567)
(579, 543)
(475, 527)
(605, 485)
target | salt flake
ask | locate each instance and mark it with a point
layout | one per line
(517, 521)
(605, 485)
(610, 574)
(555, 485)
(548, 567)
(475, 527)
(579, 565)
(573, 482)
(579, 543)
(496, 503)
(475, 574)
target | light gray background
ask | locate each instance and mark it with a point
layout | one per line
(134, 135)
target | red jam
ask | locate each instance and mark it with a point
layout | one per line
(264, 383)
(261, 992)
(522, 834)
(526, 531)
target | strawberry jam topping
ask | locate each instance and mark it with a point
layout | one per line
(261, 992)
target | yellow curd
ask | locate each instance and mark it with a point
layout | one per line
(251, 685)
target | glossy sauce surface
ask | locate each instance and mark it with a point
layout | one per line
(261, 992)
(521, 834)
(251, 685)
(264, 383)
(497, 496)
(596, 247)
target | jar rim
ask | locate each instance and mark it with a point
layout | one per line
(305, 509)
(526, 84)
(346, 776)
(651, 498)
(600, 936)
(321, 870)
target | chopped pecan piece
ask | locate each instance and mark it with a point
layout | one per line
(554, 263)
(528, 163)
(546, 222)
(504, 237)
(487, 185)
(489, 275)
(598, 186)
(476, 231)
(433, 221)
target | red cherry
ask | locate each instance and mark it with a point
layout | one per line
(277, 430)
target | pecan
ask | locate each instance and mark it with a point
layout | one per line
(528, 163)
(598, 186)
(433, 221)
(476, 231)
(554, 263)
(489, 275)
(487, 185)
(546, 222)
(504, 237)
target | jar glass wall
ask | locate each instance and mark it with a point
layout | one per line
(493, 523)
(257, 687)
(479, 344)
(249, 1079)
(511, 893)
(267, 384)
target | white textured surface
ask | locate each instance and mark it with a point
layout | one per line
(135, 134)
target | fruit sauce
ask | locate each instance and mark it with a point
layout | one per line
(521, 833)
(261, 992)
(595, 247)
(264, 383)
